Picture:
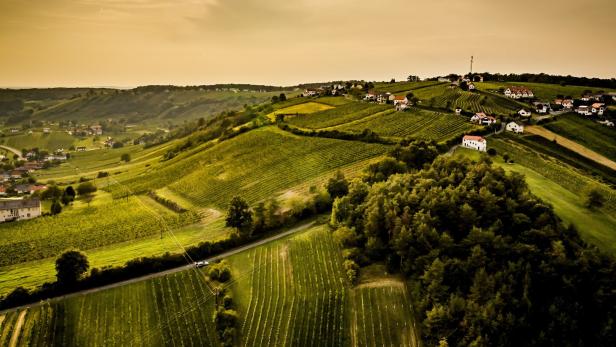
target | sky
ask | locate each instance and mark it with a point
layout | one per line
(124, 43)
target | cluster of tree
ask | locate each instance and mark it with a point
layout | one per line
(225, 317)
(489, 263)
(552, 79)
(280, 98)
(407, 156)
(58, 197)
(210, 87)
(366, 135)
(219, 271)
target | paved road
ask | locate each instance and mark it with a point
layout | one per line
(174, 270)
(11, 149)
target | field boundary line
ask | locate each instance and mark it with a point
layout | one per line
(572, 145)
(17, 329)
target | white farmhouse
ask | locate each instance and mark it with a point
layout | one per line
(515, 127)
(598, 108)
(519, 93)
(584, 110)
(483, 119)
(18, 209)
(475, 142)
(524, 113)
(400, 100)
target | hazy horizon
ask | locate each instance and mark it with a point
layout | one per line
(89, 43)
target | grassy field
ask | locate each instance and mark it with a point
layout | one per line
(256, 165)
(102, 223)
(90, 163)
(403, 88)
(596, 137)
(50, 142)
(290, 292)
(304, 108)
(415, 123)
(339, 115)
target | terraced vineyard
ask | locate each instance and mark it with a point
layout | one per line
(339, 115)
(382, 316)
(103, 223)
(474, 102)
(296, 293)
(255, 165)
(416, 123)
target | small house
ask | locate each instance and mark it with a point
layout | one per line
(519, 93)
(399, 100)
(18, 209)
(584, 110)
(515, 127)
(475, 142)
(483, 119)
(568, 104)
(524, 113)
(97, 130)
(597, 108)
(458, 111)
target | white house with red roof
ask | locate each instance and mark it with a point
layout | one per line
(477, 143)
(519, 93)
(483, 119)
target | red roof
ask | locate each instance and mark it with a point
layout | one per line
(474, 138)
(400, 97)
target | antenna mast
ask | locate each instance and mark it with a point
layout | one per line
(472, 64)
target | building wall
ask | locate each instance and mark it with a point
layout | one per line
(20, 214)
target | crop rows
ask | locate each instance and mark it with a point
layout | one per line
(339, 115)
(255, 165)
(85, 228)
(175, 310)
(416, 124)
(473, 102)
(383, 317)
(296, 294)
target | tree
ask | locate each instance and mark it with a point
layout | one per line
(593, 198)
(51, 193)
(337, 186)
(239, 215)
(70, 266)
(86, 188)
(56, 208)
(125, 157)
(274, 99)
(282, 97)
(70, 191)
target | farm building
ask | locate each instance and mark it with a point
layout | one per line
(97, 130)
(399, 100)
(568, 104)
(17, 209)
(471, 86)
(542, 107)
(584, 110)
(515, 127)
(458, 111)
(475, 142)
(483, 119)
(310, 92)
(524, 113)
(519, 93)
(598, 108)
(370, 96)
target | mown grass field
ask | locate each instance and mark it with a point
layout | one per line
(339, 115)
(290, 292)
(257, 165)
(596, 137)
(416, 123)
(104, 222)
(304, 108)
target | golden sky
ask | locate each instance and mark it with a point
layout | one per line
(284, 42)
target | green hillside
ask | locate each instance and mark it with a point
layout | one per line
(543, 91)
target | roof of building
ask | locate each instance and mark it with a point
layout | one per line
(521, 90)
(400, 97)
(474, 138)
(597, 105)
(19, 203)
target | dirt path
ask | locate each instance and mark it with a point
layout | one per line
(13, 150)
(574, 146)
(17, 329)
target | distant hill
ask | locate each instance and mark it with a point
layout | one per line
(149, 104)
